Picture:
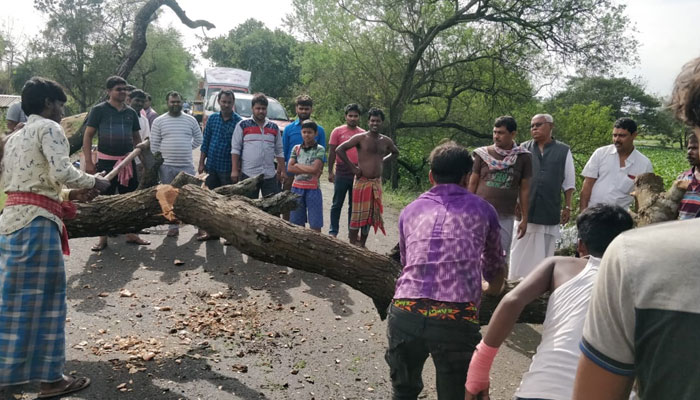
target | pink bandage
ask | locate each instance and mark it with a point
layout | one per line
(479, 368)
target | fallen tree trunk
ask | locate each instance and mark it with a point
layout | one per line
(131, 212)
(653, 204)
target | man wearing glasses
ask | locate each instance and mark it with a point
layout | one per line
(552, 172)
(117, 127)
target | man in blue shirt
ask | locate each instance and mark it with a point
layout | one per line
(292, 136)
(215, 156)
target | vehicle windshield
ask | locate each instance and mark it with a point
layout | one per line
(244, 109)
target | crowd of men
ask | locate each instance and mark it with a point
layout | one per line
(624, 309)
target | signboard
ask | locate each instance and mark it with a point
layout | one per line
(227, 77)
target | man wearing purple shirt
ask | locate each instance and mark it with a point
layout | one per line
(449, 239)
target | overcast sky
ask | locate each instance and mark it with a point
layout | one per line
(666, 29)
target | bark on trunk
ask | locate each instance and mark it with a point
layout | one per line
(653, 204)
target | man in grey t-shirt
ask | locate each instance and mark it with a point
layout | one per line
(15, 117)
(644, 315)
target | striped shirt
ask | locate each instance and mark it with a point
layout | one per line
(217, 142)
(258, 147)
(307, 156)
(175, 138)
(690, 204)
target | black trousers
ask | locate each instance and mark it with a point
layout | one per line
(412, 337)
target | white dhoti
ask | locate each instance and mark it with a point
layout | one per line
(507, 228)
(538, 243)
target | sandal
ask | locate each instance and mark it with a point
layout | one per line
(74, 385)
(205, 236)
(99, 246)
(138, 241)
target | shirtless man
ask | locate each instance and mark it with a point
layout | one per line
(373, 149)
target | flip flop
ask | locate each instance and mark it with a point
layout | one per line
(205, 237)
(139, 242)
(75, 385)
(99, 246)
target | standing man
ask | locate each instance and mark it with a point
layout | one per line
(449, 242)
(255, 145)
(610, 172)
(117, 127)
(343, 178)
(175, 135)
(148, 111)
(501, 176)
(373, 149)
(15, 117)
(292, 136)
(552, 172)
(138, 98)
(33, 239)
(690, 204)
(644, 314)
(215, 157)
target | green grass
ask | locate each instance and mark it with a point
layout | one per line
(398, 198)
(668, 162)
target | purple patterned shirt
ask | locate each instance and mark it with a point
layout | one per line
(448, 238)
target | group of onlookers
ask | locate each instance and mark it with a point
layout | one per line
(625, 309)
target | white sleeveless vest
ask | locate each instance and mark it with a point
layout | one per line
(553, 367)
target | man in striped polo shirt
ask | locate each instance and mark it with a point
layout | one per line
(690, 204)
(175, 135)
(255, 146)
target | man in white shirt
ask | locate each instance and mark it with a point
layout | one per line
(175, 135)
(610, 172)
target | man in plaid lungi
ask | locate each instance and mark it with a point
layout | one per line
(35, 168)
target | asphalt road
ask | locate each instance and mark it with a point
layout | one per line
(223, 326)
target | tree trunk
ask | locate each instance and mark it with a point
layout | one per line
(653, 204)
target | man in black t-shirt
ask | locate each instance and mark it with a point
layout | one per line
(117, 127)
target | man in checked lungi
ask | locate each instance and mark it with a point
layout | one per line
(34, 170)
(373, 149)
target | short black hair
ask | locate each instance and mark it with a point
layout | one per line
(148, 96)
(352, 107)
(508, 122)
(259, 98)
(599, 225)
(172, 93)
(449, 162)
(226, 92)
(627, 124)
(692, 137)
(113, 81)
(304, 100)
(309, 123)
(375, 112)
(35, 93)
(130, 88)
(137, 94)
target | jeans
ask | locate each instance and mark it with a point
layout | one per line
(269, 187)
(217, 179)
(412, 337)
(341, 186)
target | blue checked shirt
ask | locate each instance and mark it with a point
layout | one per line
(217, 142)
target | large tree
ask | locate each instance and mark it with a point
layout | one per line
(269, 55)
(426, 51)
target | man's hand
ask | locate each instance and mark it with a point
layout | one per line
(522, 228)
(101, 184)
(331, 176)
(83, 195)
(18, 127)
(518, 212)
(565, 215)
(234, 177)
(282, 176)
(357, 171)
(201, 169)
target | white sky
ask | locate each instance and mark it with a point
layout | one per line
(666, 29)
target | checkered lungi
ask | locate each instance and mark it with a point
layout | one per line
(32, 304)
(367, 205)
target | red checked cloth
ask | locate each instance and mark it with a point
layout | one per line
(63, 210)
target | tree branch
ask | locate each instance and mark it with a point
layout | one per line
(443, 124)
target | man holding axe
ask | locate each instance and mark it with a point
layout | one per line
(117, 127)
